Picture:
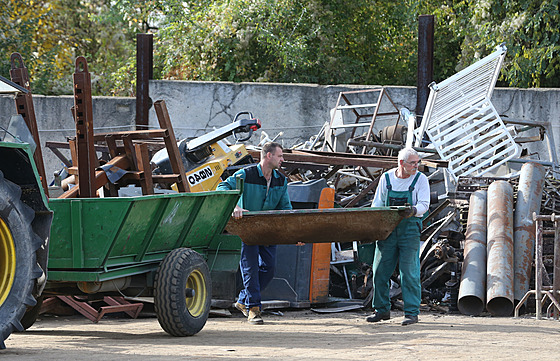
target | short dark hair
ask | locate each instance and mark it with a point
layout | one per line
(270, 147)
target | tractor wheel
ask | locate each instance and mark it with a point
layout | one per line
(182, 292)
(32, 314)
(18, 259)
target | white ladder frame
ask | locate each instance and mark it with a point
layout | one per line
(462, 123)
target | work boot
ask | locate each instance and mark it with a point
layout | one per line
(409, 320)
(379, 316)
(242, 308)
(255, 316)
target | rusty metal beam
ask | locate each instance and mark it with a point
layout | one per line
(144, 72)
(425, 63)
(24, 106)
(134, 134)
(83, 115)
(342, 159)
(332, 158)
(143, 162)
(171, 145)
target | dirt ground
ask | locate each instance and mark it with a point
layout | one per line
(299, 334)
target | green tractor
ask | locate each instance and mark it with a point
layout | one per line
(25, 221)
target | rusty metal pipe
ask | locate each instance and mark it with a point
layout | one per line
(472, 289)
(529, 196)
(115, 285)
(499, 273)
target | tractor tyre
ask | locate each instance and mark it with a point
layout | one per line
(32, 314)
(18, 259)
(182, 292)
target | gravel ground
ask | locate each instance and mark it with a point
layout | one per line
(299, 334)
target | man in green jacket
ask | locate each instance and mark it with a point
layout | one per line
(264, 189)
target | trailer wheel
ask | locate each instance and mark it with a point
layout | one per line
(182, 292)
(18, 260)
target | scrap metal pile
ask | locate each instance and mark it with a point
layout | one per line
(478, 237)
(469, 152)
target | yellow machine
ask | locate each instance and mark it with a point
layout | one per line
(208, 159)
(207, 176)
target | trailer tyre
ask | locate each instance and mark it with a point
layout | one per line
(18, 260)
(182, 292)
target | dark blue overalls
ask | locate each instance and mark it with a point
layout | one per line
(402, 245)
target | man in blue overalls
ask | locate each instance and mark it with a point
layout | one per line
(397, 187)
(264, 189)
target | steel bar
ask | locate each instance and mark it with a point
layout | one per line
(342, 159)
(171, 145)
(556, 270)
(83, 114)
(529, 196)
(135, 134)
(372, 144)
(144, 72)
(538, 268)
(543, 292)
(499, 273)
(473, 281)
(24, 106)
(373, 117)
(425, 62)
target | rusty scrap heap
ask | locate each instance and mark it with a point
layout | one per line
(479, 235)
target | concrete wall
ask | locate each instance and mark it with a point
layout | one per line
(297, 110)
(55, 122)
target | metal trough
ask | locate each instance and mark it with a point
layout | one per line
(317, 225)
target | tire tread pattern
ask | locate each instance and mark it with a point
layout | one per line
(169, 292)
(18, 217)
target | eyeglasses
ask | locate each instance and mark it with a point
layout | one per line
(418, 162)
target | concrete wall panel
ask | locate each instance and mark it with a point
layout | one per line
(298, 110)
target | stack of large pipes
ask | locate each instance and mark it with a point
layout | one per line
(499, 244)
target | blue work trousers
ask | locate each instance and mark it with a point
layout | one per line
(257, 267)
(403, 245)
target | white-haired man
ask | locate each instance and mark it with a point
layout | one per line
(403, 185)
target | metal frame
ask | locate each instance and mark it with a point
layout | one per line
(369, 110)
(462, 123)
(543, 292)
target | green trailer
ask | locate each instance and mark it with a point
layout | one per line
(165, 246)
(161, 246)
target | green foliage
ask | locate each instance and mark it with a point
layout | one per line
(51, 34)
(314, 41)
(307, 41)
(25, 28)
(529, 28)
